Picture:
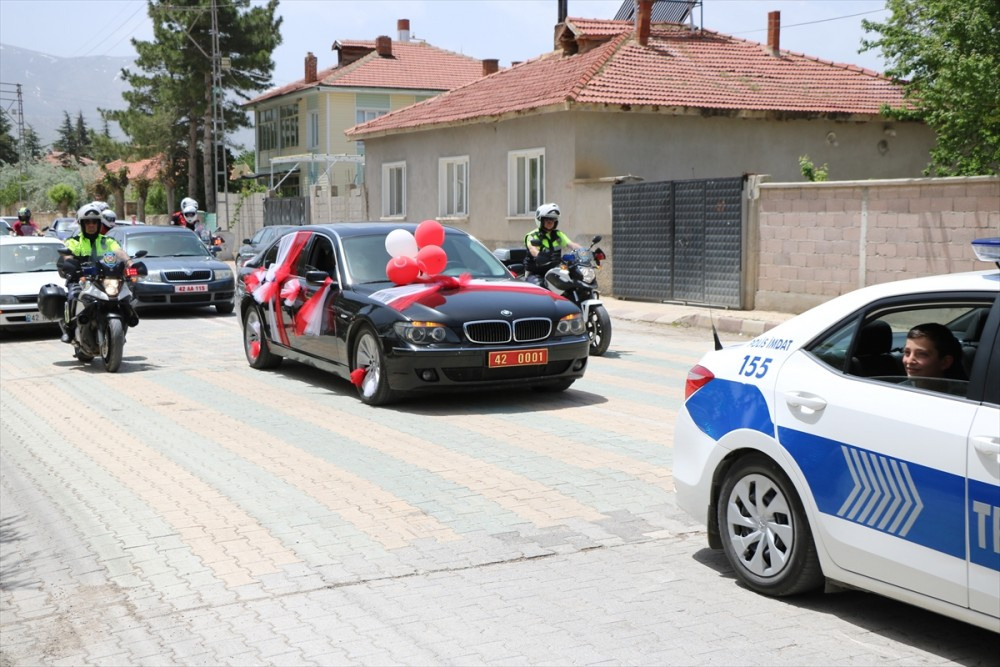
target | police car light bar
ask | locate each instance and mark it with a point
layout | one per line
(988, 249)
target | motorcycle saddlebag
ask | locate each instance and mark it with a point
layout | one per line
(51, 301)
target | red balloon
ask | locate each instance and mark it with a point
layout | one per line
(402, 270)
(432, 259)
(428, 233)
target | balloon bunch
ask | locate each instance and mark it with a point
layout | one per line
(417, 255)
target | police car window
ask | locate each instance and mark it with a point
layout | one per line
(833, 348)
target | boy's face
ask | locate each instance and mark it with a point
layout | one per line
(921, 359)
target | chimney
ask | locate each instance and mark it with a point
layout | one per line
(383, 45)
(490, 66)
(310, 68)
(403, 26)
(774, 32)
(561, 11)
(642, 21)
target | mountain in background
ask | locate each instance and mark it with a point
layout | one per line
(52, 86)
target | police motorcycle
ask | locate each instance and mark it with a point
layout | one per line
(104, 306)
(575, 278)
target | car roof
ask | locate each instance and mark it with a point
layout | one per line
(152, 229)
(14, 240)
(348, 229)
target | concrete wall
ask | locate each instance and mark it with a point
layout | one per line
(820, 240)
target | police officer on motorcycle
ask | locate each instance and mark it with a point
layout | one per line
(545, 244)
(88, 245)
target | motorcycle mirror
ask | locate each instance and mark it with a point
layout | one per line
(140, 253)
(597, 239)
(65, 252)
(536, 242)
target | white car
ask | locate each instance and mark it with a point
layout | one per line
(26, 264)
(813, 458)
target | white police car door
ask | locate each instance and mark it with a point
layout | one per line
(886, 467)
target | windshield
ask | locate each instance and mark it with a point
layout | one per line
(28, 257)
(166, 245)
(367, 257)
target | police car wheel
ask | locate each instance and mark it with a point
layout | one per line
(765, 534)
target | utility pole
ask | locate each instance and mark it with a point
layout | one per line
(219, 64)
(12, 103)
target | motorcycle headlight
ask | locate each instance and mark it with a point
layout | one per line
(223, 274)
(588, 274)
(422, 333)
(571, 325)
(111, 286)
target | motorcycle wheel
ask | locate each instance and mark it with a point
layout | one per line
(114, 344)
(82, 356)
(599, 329)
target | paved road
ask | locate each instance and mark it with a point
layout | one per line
(189, 510)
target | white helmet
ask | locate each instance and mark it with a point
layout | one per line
(100, 205)
(190, 213)
(108, 218)
(88, 212)
(547, 211)
(189, 202)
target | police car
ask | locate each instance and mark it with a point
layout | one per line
(812, 458)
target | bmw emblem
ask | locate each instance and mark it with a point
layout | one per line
(506, 313)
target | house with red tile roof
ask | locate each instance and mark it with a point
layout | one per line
(621, 100)
(300, 126)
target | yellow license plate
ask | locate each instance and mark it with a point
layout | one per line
(504, 358)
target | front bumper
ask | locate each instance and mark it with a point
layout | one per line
(462, 368)
(152, 295)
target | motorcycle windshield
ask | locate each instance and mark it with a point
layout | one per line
(584, 256)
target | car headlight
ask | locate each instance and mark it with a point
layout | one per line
(421, 333)
(571, 325)
(151, 277)
(588, 274)
(7, 299)
(223, 274)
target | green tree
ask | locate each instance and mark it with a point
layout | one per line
(82, 135)
(170, 101)
(948, 56)
(8, 143)
(66, 140)
(32, 144)
(63, 196)
(811, 172)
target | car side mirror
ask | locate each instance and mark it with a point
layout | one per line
(317, 277)
(215, 250)
(246, 241)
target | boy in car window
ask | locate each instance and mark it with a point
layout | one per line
(932, 352)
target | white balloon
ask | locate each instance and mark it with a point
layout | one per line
(400, 243)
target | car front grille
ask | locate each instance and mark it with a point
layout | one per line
(494, 332)
(27, 298)
(198, 275)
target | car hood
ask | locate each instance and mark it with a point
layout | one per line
(25, 284)
(180, 263)
(474, 300)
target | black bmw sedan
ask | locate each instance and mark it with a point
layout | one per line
(322, 295)
(181, 270)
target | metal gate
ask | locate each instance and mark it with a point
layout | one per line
(286, 211)
(679, 241)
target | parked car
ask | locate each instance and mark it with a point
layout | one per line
(26, 264)
(260, 240)
(181, 272)
(62, 228)
(483, 330)
(812, 457)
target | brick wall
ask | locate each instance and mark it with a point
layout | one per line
(820, 240)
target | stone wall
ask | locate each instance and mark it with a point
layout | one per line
(819, 240)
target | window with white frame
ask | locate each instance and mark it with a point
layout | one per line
(267, 130)
(394, 190)
(363, 116)
(289, 114)
(525, 181)
(453, 186)
(313, 129)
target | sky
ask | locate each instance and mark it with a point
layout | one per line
(508, 30)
